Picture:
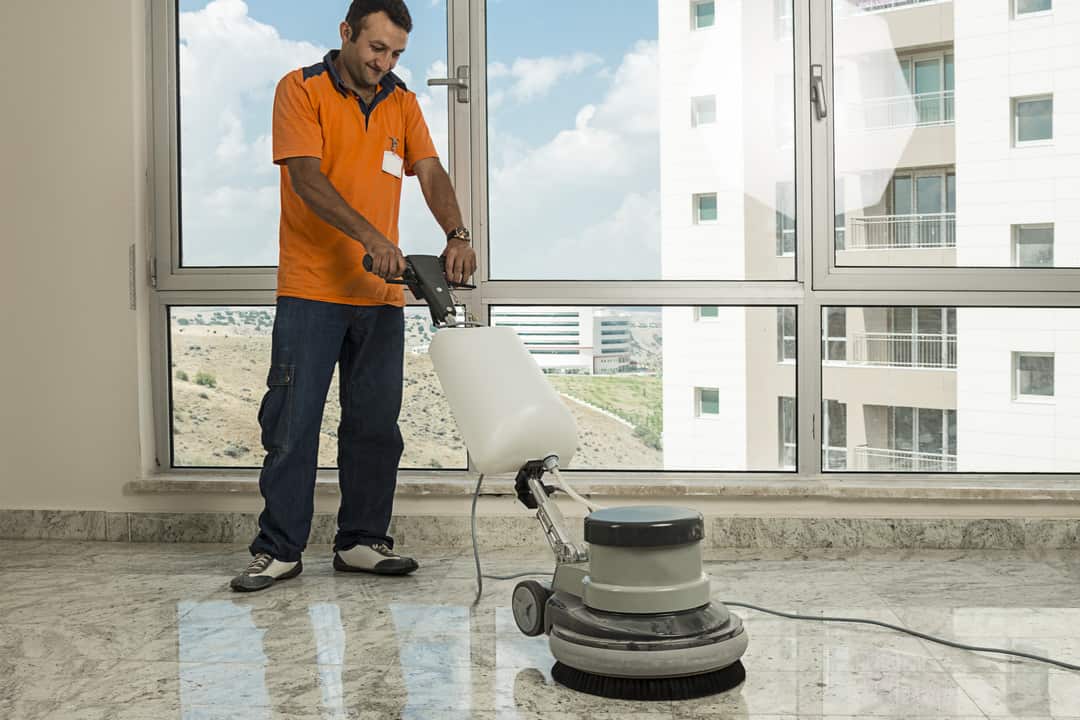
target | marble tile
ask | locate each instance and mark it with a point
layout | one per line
(117, 527)
(149, 630)
(193, 527)
(52, 524)
(1023, 695)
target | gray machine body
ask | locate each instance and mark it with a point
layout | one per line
(639, 611)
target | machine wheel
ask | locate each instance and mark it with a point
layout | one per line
(528, 603)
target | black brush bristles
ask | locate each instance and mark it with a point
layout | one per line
(676, 688)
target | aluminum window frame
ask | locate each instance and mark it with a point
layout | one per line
(818, 282)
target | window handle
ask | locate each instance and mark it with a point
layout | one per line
(817, 91)
(459, 83)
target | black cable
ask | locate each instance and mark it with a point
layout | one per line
(897, 628)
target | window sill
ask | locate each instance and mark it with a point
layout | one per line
(673, 485)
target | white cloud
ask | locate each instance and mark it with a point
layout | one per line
(586, 203)
(229, 67)
(533, 78)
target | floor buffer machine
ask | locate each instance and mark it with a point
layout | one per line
(628, 613)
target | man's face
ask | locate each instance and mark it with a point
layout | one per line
(375, 51)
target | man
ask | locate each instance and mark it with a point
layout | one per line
(345, 131)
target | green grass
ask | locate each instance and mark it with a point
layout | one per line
(637, 399)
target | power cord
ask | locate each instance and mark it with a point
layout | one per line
(732, 603)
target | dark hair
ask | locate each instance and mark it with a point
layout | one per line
(394, 9)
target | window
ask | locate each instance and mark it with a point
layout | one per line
(834, 342)
(1033, 245)
(787, 432)
(785, 219)
(708, 401)
(785, 334)
(835, 436)
(1033, 120)
(703, 110)
(705, 208)
(1034, 376)
(1028, 7)
(703, 14)
(575, 178)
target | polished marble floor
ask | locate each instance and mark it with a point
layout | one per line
(147, 632)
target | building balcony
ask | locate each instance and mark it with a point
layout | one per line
(893, 232)
(903, 350)
(900, 111)
(885, 459)
(879, 5)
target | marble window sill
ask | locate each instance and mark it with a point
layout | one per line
(1022, 488)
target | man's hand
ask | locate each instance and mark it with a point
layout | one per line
(387, 260)
(460, 261)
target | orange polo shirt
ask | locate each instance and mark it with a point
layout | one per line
(315, 115)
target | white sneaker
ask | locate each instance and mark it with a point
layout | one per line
(263, 572)
(377, 558)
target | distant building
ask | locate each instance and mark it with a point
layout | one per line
(579, 340)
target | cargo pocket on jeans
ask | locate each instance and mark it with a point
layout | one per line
(276, 408)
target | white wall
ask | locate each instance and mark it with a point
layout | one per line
(998, 185)
(71, 206)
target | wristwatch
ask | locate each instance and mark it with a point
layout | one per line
(459, 233)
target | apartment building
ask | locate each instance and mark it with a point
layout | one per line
(582, 340)
(955, 121)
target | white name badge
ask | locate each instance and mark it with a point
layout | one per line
(391, 163)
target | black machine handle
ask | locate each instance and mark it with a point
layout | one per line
(425, 276)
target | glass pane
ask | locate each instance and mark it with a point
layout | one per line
(706, 208)
(590, 155)
(911, 98)
(219, 358)
(786, 447)
(703, 110)
(983, 397)
(710, 401)
(1035, 375)
(229, 193)
(1033, 120)
(680, 395)
(1029, 6)
(1034, 246)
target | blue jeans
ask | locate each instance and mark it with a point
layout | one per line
(367, 343)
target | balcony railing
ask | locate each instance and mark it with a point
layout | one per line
(890, 232)
(875, 5)
(869, 458)
(926, 350)
(922, 109)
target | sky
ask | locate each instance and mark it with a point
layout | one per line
(572, 132)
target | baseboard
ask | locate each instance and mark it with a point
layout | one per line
(504, 532)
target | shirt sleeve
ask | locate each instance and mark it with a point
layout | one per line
(418, 143)
(296, 128)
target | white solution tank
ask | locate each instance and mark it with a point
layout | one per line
(507, 411)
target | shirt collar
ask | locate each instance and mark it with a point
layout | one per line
(386, 85)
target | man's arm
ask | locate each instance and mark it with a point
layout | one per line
(442, 201)
(315, 189)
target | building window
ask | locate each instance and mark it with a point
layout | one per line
(1033, 245)
(703, 14)
(785, 219)
(708, 401)
(1030, 7)
(835, 436)
(705, 208)
(787, 432)
(703, 110)
(1033, 119)
(785, 334)
(920, 439)
(708, 312)
(1033, 375)
(834, 343)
